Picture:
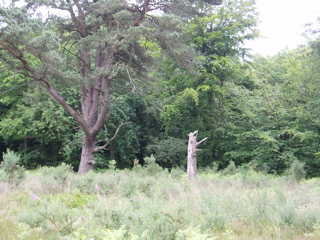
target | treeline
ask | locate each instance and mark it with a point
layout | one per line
(254, 110)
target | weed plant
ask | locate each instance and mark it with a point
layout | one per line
(151, 203)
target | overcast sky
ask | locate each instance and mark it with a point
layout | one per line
(281, 24)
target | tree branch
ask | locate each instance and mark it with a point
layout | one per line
(17, 86)
(198, 143)
(17, 54)
(75, 114)
(142, 13)
(131, 81)
(111, 139)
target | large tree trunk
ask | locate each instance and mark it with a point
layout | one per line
(87, 156)
(192, 154)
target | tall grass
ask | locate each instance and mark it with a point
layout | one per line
(150, 203)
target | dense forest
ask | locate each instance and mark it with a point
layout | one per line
(95, 81)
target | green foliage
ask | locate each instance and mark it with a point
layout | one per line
(86, 183)
(38, 128)
(59, 173)
(44, 212)
(193, 233)
(112, 234)
(128, 188)
(75, 199)
(112, 165)
(177, 173)
(3, 176)
(150, 160)
(151, 166)
(280, 122)
(55, 178)
(247, 204)
(10, 168)
(265, 112)
(296, 171)
(132, 139)
(210, 101)
(230, 169)
(175, 115)
(170, 152)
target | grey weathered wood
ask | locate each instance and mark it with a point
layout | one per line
(192, 154)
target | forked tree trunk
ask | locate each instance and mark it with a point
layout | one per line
(192, 154)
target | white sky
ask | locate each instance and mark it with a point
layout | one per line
(281, 24)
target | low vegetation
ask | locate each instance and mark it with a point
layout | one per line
(151, 203)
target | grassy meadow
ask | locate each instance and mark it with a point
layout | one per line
(151, 203)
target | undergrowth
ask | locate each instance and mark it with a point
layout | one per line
(151, 203)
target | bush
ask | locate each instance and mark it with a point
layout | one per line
(177, 173)
(55, 179)
(60, 211)
(3, 176)
(296, 171)
(11, 171)
(151, 165)
(230, 169)
(193, 234)
(62, 172)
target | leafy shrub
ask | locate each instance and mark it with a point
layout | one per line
(54, 179)
(296, 171)
(177, 173)
(61, 211)
(85, 183)
(13, 172)
(164, 207)
(145, 186)
(75, 199)
(192, 233)
(62, 172)
(213, 216)
(3, 176)
(230, 169)
(112, 165)
(128, 187)
(151, 166)
(105, 184)
(117, 234)
(110, 234)
(33, 219)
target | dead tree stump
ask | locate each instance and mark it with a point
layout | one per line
(192, 154)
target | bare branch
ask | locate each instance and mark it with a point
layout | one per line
(111, 139)
(198, 143)
(252, 125)
(130, 79)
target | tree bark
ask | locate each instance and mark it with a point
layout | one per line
(192, 154)
(87, 156)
